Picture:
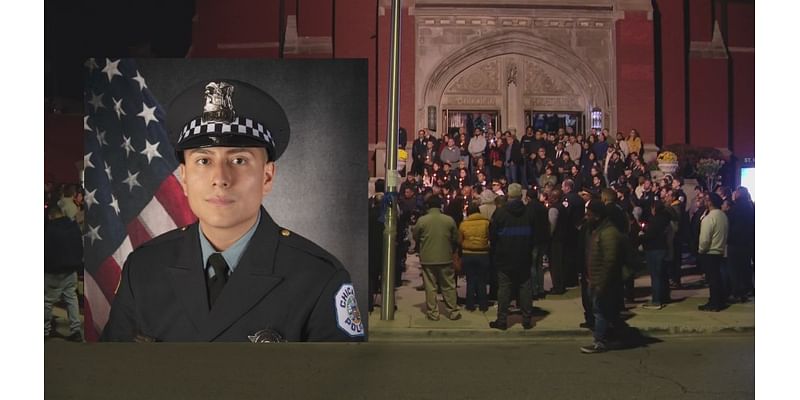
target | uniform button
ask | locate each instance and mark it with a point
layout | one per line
(285, 232)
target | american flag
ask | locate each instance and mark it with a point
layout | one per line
(132, 193)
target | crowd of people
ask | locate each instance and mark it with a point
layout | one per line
(499, 206)
(63, 255)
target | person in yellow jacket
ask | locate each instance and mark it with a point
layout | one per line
(634, 143)
(474, 235)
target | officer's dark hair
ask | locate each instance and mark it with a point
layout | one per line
(658, 206)
(380, 185)
(473, 209)
(70, 190)
(715, 199)
(433, 202)
(555, 195)
(608, 195)
(401, 137)
(54, 211)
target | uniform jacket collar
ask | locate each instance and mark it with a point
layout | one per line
(253, 279)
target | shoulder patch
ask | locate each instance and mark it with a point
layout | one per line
(348, 316)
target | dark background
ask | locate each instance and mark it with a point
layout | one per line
(320, 187)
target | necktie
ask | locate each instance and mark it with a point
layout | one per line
(216, 283)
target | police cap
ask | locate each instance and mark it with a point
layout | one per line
(227, 113)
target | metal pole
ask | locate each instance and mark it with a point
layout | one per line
(392, 177)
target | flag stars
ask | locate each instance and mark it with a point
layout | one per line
(118, 108)
(90, 199)
(101, 137)
(126, 144)
(111, 69)
(86, 126)
(97, 101)
(87, 161)
(108, 171)
(94, 233)
(148, 113)
(138, 78)
(114, 204)
(132, 181)
(150, 150)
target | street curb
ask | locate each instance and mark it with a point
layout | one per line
(517, 334)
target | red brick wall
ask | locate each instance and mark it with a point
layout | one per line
(407, 68)
(701, 20)
(236, 28)
(673, 71)
(741, 25)
(635, 80)
(708, 102)
(63, 147)
(743, 91)
(314, 17)
(354, 36)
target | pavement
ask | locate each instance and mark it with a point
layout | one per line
(558, 315)
(678, 368)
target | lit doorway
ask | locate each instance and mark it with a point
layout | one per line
(470, 119)
(552, 121)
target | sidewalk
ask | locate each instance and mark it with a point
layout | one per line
(559, 316)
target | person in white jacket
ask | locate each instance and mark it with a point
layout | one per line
(711, 249)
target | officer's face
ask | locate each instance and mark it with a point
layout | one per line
(225, 186)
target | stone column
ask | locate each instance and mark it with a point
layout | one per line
(515, 118)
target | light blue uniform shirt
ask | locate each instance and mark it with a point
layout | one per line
(232, 255)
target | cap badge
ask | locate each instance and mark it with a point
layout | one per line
(219, 103)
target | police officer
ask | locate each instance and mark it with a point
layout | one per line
(234, 275)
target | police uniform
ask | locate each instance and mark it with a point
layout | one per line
(283, 288)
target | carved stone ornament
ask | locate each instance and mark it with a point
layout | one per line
(219, 103)
(540, 81)
(511, 74)
(481, 79)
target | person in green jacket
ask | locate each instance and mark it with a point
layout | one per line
(604, 268)
(437, 236)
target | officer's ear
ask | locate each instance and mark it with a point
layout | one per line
(269, 175)
(182, 174)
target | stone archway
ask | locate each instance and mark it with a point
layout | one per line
(579, 73)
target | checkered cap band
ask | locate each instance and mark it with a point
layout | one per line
(240, 125)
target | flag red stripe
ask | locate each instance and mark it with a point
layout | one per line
(89, 331)
(137, 233)
(107, 277)
(170, 195)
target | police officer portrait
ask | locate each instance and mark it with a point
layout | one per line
(225, 200)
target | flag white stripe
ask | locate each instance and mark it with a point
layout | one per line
(122, 251)
(97, 302)
(155, 219)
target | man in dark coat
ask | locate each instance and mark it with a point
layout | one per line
(63, 258)
(512, 158)
(511, 238)
(741, 239)
(234, 275)
(604, 270)
(574, 207)
(541, 240)
(418, 151)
